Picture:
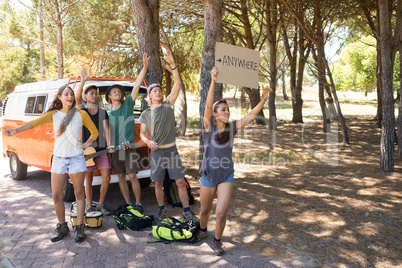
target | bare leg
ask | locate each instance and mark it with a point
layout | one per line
(88, 188)
(78, 183)
(207, 195)
(124, 187)
(182, 188)
(160, 196)
(104, 186)
(136, 187)
(57, 182)
(224, 195)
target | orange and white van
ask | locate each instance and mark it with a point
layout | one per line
(35, 147)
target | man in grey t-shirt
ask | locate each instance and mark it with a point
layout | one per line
(159, 122)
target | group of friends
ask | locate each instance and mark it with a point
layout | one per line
(103, 130)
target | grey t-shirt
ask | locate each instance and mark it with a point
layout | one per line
(160, 123)
(217, 162)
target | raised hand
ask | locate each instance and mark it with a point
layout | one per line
(84, 74)
(145, 60)
(265, 91)
(214, 73)
(168, 56)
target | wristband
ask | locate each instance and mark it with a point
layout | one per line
(173, 68)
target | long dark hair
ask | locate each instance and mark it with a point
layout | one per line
(224, 137)
(58, 105)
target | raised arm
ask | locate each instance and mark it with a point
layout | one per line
(253, 113)
(143, 135)
(141, 76)
(210, 100)
(176, 76)
(78, 94)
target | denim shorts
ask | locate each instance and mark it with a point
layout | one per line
(207, 183)
(68, 165)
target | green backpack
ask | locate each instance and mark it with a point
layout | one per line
(171, 229)
(129, 218)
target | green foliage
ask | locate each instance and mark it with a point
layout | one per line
(18, 59)
(356, 69)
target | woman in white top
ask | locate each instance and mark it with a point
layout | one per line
(68, 155)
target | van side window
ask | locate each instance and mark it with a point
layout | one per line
(35, 104)
(29, 108)
(40, 104)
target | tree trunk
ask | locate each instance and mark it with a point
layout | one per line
(253, 93)
(379, 75)
(272, 23)
(321, 64)
(398, 43)
(181, 111)
(338, 107)
(388, 120)
(59, 26)
(298, 101)
(168, 82)
(400, 103)
(285, 96)
(212, 34)
(292, 58)
(283, 78)
(146, 21)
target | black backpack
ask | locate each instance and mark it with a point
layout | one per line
(172, 192)
(129, 218)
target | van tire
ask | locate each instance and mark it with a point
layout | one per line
(68, 192)
(145, 182)
(17, 168)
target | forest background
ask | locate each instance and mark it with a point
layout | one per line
(342, 45)
(324, 190)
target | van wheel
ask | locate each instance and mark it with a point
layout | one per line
(145, 182)
(68, 192)
(17, 168)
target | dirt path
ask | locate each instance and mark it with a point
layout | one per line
(313, 200)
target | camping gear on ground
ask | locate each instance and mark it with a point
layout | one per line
(171, 229)
(129, 218)
(93, 219)
(172, 192)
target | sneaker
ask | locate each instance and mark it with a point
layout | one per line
(103, 209)
(80, 236)
(201, 235)
(61, 230)
(162, 213)
(217, 248)
(190, 216)
(138, 208)
(90, 209)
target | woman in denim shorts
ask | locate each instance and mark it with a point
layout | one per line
(217, 171)
(68, 155)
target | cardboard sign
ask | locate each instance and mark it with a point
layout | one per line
(237, 65)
